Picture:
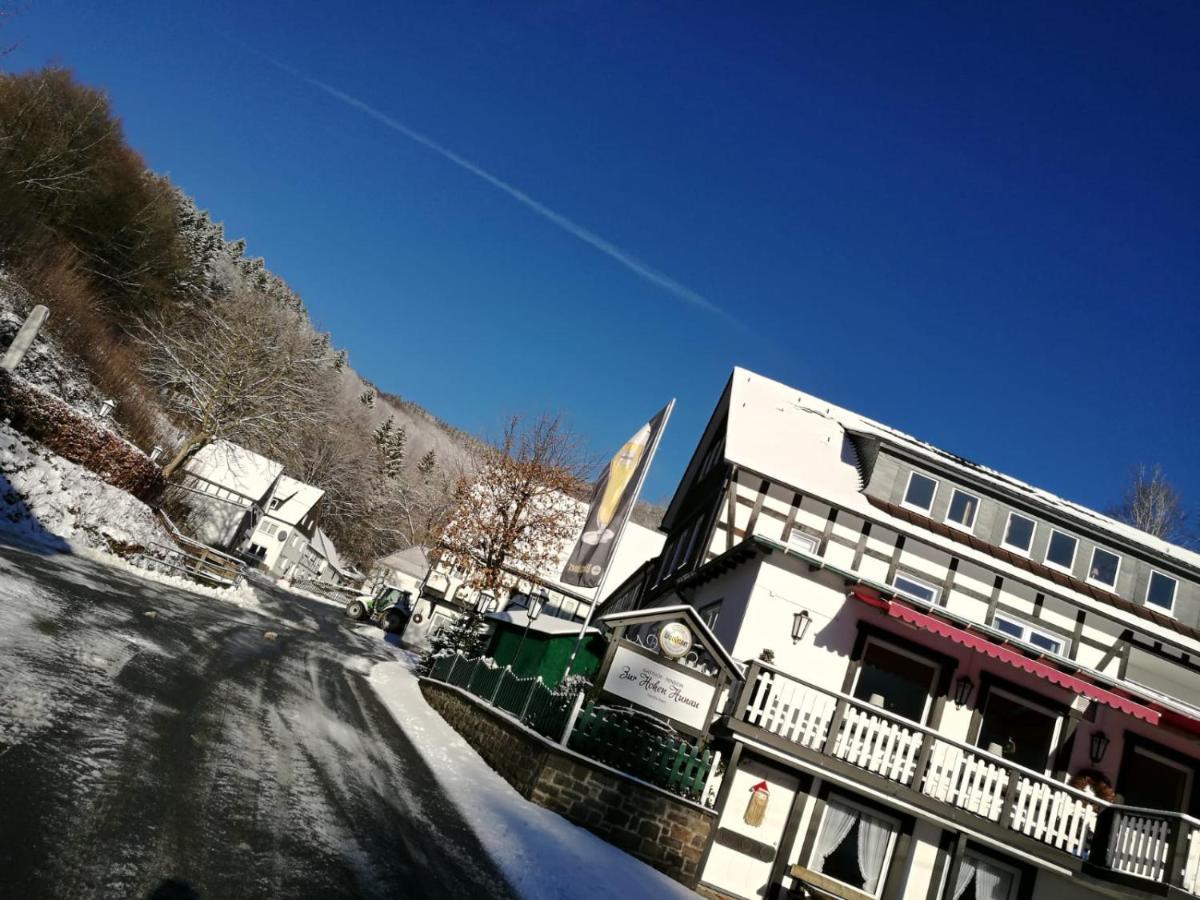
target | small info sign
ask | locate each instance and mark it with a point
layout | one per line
(659, 688)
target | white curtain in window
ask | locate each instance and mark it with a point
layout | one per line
(966, 871)
(837, 824)
(873, 838)
(991, 882)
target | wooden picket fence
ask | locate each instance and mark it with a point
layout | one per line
(613, 737)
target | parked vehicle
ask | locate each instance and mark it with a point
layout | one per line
(390, 608)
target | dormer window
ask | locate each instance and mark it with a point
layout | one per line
(1060, 552)
(1104, 568)
(1160, 591)
(1018, 533)
(963, 509)
(920, 492)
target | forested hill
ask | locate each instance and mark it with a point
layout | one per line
(192, 336)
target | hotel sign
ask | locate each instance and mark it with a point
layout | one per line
(661, 688)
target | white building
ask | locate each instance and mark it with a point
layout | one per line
(960, 668)
(227, 488)
(405, 569)
(287, 527)
(445, 593)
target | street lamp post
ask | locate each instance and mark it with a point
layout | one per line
(536, 602)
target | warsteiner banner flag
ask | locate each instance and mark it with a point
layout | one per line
(612, 501)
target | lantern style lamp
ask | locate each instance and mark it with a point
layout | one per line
(962, 690)
(532, 611)
(800, 622)
(1099, 746)
(485, 604)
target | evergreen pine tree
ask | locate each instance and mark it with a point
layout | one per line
(426, 466)
(391, 442)
(367, 398)
(466, 635)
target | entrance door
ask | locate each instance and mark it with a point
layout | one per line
(1155, 782)
(898, 681)
(1022, 732)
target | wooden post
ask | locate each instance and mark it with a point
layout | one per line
(25, 337)
(1177, 852)
(575, 707)
(1010, 798)
(835, 725)
(748, 686)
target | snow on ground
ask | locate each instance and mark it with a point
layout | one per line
(51, 504)
(47, 501)
(543, 855)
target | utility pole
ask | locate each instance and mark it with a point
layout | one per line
(24, 339)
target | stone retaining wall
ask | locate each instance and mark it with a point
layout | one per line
(657, 827)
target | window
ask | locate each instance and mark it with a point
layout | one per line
(1018, 534)
(273, 504)
(854, 846)
(1160, 591)
(981, 878)
(914, 587)
(1060, 552)
(895, 680)
(1030, 634)
(964, 508)
(709, 613)
(1020, 731)
(803, 541)
(919, 494)
(1105, 567)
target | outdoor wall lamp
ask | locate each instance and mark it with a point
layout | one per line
(486, 604)
(536, 602)
(800, 622)
(1099, 745)
(962, 690)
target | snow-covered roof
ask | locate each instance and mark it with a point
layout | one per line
(799, 438)
(235, 468)
(324, 547)
(546, 624)
(412, 561)
(296, 500)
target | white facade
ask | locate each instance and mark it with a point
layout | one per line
(286, 528)
(933, 687)
(227, 490)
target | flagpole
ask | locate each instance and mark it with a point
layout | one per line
(587, 619)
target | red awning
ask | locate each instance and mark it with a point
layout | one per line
(1177, 719)
(981, 644)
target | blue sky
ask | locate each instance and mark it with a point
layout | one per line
(979, 225)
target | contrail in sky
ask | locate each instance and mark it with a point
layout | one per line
(635, 265)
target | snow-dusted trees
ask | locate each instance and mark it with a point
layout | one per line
(245, 368)
(1152, 504)
(518, 509)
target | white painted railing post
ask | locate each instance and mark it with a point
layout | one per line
(575, 707)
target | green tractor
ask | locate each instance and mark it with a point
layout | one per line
(389, 608)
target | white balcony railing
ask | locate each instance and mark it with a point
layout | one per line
(1141, 843)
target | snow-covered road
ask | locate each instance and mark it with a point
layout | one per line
(150, 736)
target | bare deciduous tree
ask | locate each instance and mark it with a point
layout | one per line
(1152, 504)
(519, 510)
(245, 368)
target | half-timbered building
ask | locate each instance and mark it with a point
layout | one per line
(957, 685)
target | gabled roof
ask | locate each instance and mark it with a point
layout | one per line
(798, 439)
(296, 500)
(324, 548)
(682, 611)
(412, 561)
(235, 468)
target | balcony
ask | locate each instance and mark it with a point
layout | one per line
(1144, 849)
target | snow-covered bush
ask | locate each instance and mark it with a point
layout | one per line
(78, 438)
